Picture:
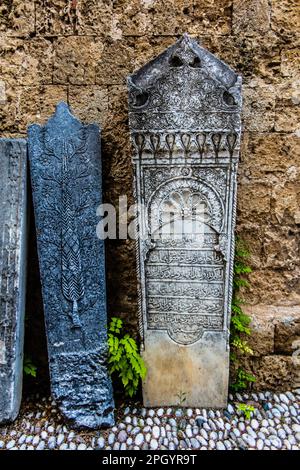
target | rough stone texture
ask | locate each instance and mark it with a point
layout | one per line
(13, 246)
(275, 340)
(66, 182)
(251, 17)
(122, 36)
(184, 117)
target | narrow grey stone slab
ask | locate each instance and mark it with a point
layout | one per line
(65, 167)
(13, 240)
(184, 116)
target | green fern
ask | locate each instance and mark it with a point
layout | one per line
(240, 321)
(124, 358)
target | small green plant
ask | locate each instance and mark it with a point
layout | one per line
(182, 396)
(242, 380)
(240, 321)
(124, 358)
(245, 409)
(28, 367)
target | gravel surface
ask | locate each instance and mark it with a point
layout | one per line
(275, 424)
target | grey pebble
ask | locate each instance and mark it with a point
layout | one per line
(122, 436)
(35, 440)
(155, 432)
(153, 444)
(21, 439)
(101, 442)
(60, 439)
(195, 443)
(220, 446)
(139, 439)
(296, 427)
(10, 444)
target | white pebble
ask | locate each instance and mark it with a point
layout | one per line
(260, 444)
(254, 424)
(220, 446)
(10, 444)
(139, 439)
(153, 444)
(296, 427)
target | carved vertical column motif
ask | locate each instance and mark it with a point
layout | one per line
(184, 115)
(13, 240)
(65, 166)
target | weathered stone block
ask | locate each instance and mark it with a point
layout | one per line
(184, 116)
(90, 103)
(58, 17)
(290, 64)
(250, 17)
(285, 18)
(269, 286)
(171, 17)
(259, 106)
(66, 181)
(287, 117)
(76, 59)
(287, 330)
(262, 327)
(26, 62)
(35, 103)
(13, 241)
(286, 196)
(254, 201)
(273, 372)
(16, 17)
(266, 156)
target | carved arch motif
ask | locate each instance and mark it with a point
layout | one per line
(187, 191)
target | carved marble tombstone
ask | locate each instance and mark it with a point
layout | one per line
(184, 114)
(13, 240)
(65, 171)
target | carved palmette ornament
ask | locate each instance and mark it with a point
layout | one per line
(184, 115)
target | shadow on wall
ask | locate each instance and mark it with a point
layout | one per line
(35, 335)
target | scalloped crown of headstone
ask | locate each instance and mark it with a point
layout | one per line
(13, 244)
(184, 117)
(65, 167)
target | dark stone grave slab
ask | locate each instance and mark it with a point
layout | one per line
(65, 167)
(13, 241)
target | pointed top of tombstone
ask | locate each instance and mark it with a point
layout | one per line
(185, 78)
(185, 52)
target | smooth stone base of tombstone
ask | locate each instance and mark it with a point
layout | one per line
(13, 238)
(73, 391)
(195, 376)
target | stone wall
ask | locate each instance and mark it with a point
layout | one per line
(81, 51)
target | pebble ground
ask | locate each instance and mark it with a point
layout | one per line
(274, 424)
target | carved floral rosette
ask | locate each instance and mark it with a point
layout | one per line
(184, 115)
